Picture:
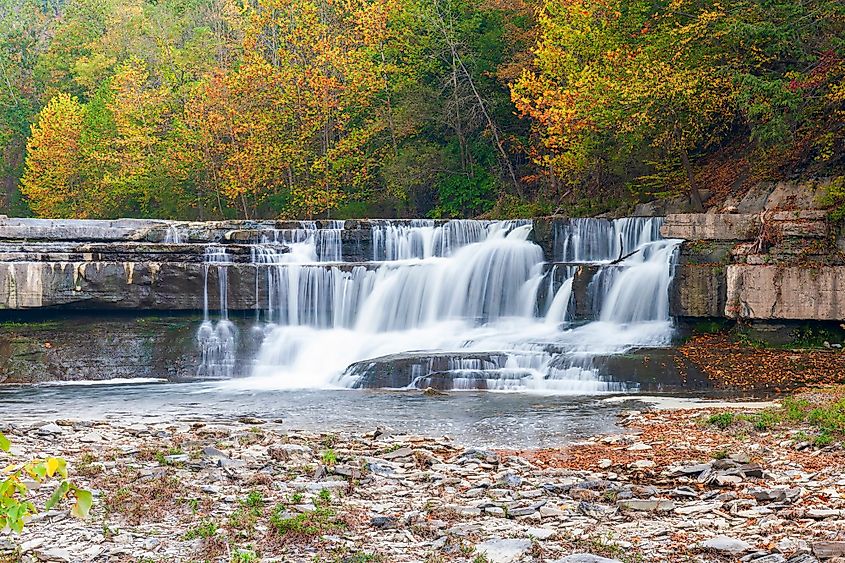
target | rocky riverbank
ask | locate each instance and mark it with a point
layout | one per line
(686, 485)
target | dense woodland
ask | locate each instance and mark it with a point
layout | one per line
(439, 108)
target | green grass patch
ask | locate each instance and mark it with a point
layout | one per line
(205, 529)
(721, 420)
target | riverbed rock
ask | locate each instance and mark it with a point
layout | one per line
(503, 550)
(726, 544)
(586, 558)
(829, 549)
(657, 505)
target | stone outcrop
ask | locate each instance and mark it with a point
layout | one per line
(785, 292)
(163, 286)
(705, 226)
(48, 349)
(660, 369)
(776, 265)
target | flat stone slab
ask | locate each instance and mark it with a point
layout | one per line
(785, 292)
(711, 226)
(503, 550)
(75, 229)
(726, 544)
(586, 558)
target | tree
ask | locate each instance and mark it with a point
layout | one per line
(53, 181)
(612, 76)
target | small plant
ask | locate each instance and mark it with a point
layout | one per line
(254, 500)
(310, 524)
(205, 529)
(15, 508)
(362, 557)
(296, 498)
(325, 496)
(765, 420)
(823, 439)
(88, 466)
(719, 454)
(467, 548)
(244, 556)
(329, 458)
(161, 456)
(246, 517)
(480, 558)
(721, 420)
(795, 409)
(830, 418)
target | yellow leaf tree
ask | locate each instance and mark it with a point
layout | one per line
(53, 180)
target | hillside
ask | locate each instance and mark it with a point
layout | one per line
(451, 108)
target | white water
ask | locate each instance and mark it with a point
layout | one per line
(313, 244)
(217, 340)
(172, 236)
(458, 287)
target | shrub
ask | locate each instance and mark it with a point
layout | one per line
(14, 506)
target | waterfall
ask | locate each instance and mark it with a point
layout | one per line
(634, 289)
(172, 235)
(217, 340)
(460, 304)
(323, 244)
(446, 288)
(559, 300)
(421, 238)
(595, 240)
(639, 290)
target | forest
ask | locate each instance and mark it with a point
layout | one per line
(204, 109)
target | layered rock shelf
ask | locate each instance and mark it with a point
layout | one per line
(774, 265)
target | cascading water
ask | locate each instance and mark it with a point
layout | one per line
(172, 235)
(632, 258)
(446, 290)
(421, 238)
(326, 243)
(217, 340)
(596, 240)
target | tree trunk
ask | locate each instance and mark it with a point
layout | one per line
(694, 194)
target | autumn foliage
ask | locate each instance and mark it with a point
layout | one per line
(307, 108)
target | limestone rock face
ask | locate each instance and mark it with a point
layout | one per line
(785, 292)
(176, 286)
(711, 226)
(101, 347)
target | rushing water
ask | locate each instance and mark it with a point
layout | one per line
(439, 300)
(217, 339)
(458, 305)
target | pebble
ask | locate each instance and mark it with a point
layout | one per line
(411, 495)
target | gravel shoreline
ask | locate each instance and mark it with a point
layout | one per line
(671, 488)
